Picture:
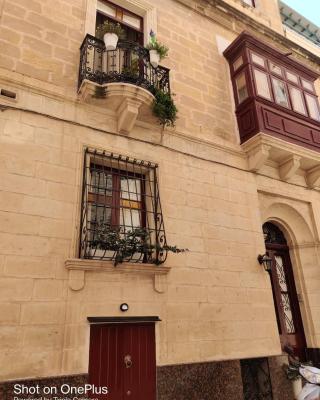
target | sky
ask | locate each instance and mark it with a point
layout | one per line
(308, 8)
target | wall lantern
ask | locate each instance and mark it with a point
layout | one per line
(266, 261)
(124, 307)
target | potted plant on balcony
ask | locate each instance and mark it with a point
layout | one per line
(110, 33)
(157, 51)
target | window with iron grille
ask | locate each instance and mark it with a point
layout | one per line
(121, 205)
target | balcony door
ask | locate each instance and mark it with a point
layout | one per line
(131, 23)
(284, 291)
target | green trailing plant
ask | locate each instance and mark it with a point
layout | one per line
(164, 108)
(109, 27)
(153, 44)
(126, 244)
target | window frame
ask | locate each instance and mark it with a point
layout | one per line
(120, 9)
(151, 218)
(116, 198)
(286, 81)
(264, 71)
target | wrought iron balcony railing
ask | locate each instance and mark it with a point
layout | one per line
(128, 63)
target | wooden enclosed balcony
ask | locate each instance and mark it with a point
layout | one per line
(277, 108)
(122, 80)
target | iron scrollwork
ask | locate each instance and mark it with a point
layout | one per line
(129, 63)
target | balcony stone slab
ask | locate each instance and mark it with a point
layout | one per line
(287, 156)
(127, 101)
(77, 268)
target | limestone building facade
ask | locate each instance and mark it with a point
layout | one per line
(238, 176)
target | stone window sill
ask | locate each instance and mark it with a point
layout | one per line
(77, 268)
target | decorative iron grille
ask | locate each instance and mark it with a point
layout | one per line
(129, 63)
(272, 234)
(120, 198)
(256, 379)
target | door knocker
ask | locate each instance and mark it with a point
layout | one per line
(128, 361)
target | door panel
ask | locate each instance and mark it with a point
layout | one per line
(284, 292)
(122, 357)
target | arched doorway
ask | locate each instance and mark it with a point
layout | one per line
(284, 291)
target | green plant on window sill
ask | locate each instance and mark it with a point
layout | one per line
(125, 245)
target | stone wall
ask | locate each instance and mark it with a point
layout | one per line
(216, 301)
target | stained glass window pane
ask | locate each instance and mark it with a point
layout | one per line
(275, 68)
(262, 84)
(307, 85)
(280, 92)
(257, 59)
(292, 77)
(297, 100)
(237, 64)
(241, 87)
(313, 108)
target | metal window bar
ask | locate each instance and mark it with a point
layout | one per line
(129, 63)
(256, 379)
(120, 194)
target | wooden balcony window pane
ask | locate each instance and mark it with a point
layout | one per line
(106, 9)
(257, 60)
(242, 88)
(292, 77)
(297, 100)
(132, 20)
(262, 84)
(237, 64)
(275, 69)
(280, 92)
(313, 107)
(307, 85)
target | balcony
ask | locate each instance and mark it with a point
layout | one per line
(277, 108)
(122, 80)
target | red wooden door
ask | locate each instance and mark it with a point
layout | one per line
(284, 292)
(122, 357)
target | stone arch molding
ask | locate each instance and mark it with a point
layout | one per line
(291, 222)
(302, 241)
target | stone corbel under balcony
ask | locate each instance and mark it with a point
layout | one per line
(124, 99)
(78, 267)
(289, 157)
